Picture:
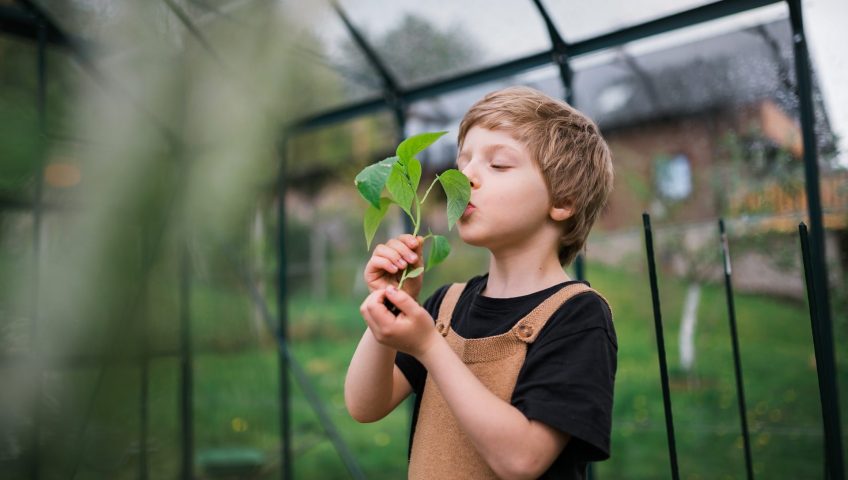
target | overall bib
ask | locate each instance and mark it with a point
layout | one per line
(440, 449)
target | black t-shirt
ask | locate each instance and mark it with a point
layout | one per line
(567, 378)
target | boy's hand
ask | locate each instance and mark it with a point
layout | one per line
(412, 331)
(390, 259)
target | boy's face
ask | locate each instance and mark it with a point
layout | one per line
(510, 205)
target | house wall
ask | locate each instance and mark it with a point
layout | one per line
(687, 226)
(634, 152)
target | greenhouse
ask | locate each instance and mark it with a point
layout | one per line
(181, 225)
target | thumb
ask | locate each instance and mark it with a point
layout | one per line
(403, 301)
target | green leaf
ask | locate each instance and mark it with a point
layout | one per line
(439, 250)
(371, 180)
(373, 217)
(458, 190)
(418, 271)
(415, 144)
(400, 189)
(413, 169)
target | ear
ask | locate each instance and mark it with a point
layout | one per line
(561, 213)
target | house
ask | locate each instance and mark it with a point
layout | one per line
(698, 131)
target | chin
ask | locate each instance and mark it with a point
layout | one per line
(468, 236)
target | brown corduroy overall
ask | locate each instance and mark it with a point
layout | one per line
(440, 449)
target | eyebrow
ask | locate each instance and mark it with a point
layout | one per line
(491, 148)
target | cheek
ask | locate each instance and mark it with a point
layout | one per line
(529, 197)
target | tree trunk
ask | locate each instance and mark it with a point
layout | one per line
(687, 326)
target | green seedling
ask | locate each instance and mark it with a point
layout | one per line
(399, 176)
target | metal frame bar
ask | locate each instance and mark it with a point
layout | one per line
(828, 384)
(559, 49)
(185, 19)
(23, 22)
(38, 221)
(734, 338)
(658, 328)
(561, 58)
(824, 370)
(186, 394)
(393, 94)
(702, 14)
(283, 316)
(305, 384)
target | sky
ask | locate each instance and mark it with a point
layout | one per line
(826, 26)
(513, 29)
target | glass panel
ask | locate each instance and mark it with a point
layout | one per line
(445, 112)
(703, 124)
(113, 27)
(326, 253)
(236, 392)
(423, 42)
(338, 79)
(16, 265)
(824, 29)
(576, 22)
(65, 175)
(66, 80)
(21, 146)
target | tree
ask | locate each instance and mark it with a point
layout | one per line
(414, 51)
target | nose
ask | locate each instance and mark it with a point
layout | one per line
(472, 176)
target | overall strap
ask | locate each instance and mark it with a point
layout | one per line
(528, 328)
(447, 306)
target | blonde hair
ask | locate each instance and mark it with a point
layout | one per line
(566, 145)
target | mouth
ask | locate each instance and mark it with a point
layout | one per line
(470, 208)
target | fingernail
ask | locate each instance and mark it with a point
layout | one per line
(411, 257)
(391, 289)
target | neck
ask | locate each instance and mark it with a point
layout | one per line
(517, 272)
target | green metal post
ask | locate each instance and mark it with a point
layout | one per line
(830, 402)
(283, 315)
(186, 369)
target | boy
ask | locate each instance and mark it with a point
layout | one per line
(516, 378)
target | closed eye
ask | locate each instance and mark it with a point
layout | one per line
(500, 167)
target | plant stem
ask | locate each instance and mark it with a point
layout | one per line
(417, 220)
(430, 188)
(403, 278)
(411, 217)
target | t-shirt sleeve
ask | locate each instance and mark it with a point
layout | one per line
(567, 378)
(411, 368)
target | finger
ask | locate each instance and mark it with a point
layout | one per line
(404, 302)
(416, 245)
(402, 248)
(363, 310)
(367, 308)
(377, 267)
(379, 315)
(410, 241)
(390, 253)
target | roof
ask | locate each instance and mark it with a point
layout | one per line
(725, 71)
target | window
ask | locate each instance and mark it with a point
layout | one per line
(673, 177)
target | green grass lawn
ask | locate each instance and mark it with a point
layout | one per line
(236, 392)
